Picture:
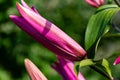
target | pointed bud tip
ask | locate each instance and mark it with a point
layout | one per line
(27, 61)
(117, 61)
(12, 16)
(114, 64)
(18, 5)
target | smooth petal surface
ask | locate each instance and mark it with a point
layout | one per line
(66, 69)
(34, 72)
(95, 3)
(117, 61)
(47, 33)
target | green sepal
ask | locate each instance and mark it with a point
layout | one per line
(105, 64)
(86, 62)
(103, 68)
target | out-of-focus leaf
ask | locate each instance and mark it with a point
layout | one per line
(97, 25)
(110, 1)
(86, 62)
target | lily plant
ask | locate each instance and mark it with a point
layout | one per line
(67, 50)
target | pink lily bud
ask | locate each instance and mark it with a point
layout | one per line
(46, 33)
(33, 71)
(66, 69)
(117, 61)
(95, 3)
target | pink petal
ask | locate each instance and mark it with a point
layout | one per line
(51, 32)
(80, 76)
(95, 3)
(34, 72)
(48, 34)
(117, 61)
(66, 69)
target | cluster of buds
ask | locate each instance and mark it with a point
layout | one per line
(47, 34)
(53, 38)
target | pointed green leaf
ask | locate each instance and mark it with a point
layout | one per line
(105, 64)
(102, 67)
(106, 7)
(97, 25)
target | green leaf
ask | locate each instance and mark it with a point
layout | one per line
(105, 64)
(97, 25)
(102, 67)
(86, 62)
(106, 7)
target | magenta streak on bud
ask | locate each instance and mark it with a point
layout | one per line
(47, 33)
(117, 61)
(95, 3)
(66, 69)
(33, 71)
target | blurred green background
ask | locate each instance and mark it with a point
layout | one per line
(71, 16)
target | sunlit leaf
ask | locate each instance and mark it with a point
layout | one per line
(105, 64)
(102, 67)
(86, 62)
